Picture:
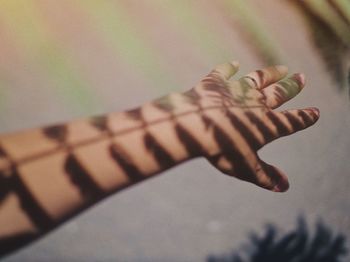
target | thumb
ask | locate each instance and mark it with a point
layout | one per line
(277, 182)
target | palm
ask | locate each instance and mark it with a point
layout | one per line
(244, 120)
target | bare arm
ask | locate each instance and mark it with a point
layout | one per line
(49, 174)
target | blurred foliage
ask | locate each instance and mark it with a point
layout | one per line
(47, 46)
(253, 29)
(329, 24)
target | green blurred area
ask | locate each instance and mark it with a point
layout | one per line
(42, 44)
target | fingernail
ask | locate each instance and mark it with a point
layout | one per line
(235, 63)
(315, 111)
(300, 78)
(282, 186)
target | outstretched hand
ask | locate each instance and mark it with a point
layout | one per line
(246, 120)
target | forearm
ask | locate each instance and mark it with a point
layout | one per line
(49, 174)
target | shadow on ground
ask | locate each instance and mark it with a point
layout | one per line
(299, 245)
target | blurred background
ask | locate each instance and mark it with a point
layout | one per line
(61, 60)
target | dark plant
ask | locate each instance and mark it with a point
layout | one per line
(296, 246)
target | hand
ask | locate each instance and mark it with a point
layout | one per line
(245, 120)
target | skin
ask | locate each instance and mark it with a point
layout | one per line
(48, 175)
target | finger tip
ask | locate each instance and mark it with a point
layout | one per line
(300, 78)
(235, 64)
(282, 186)
(315, 112)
